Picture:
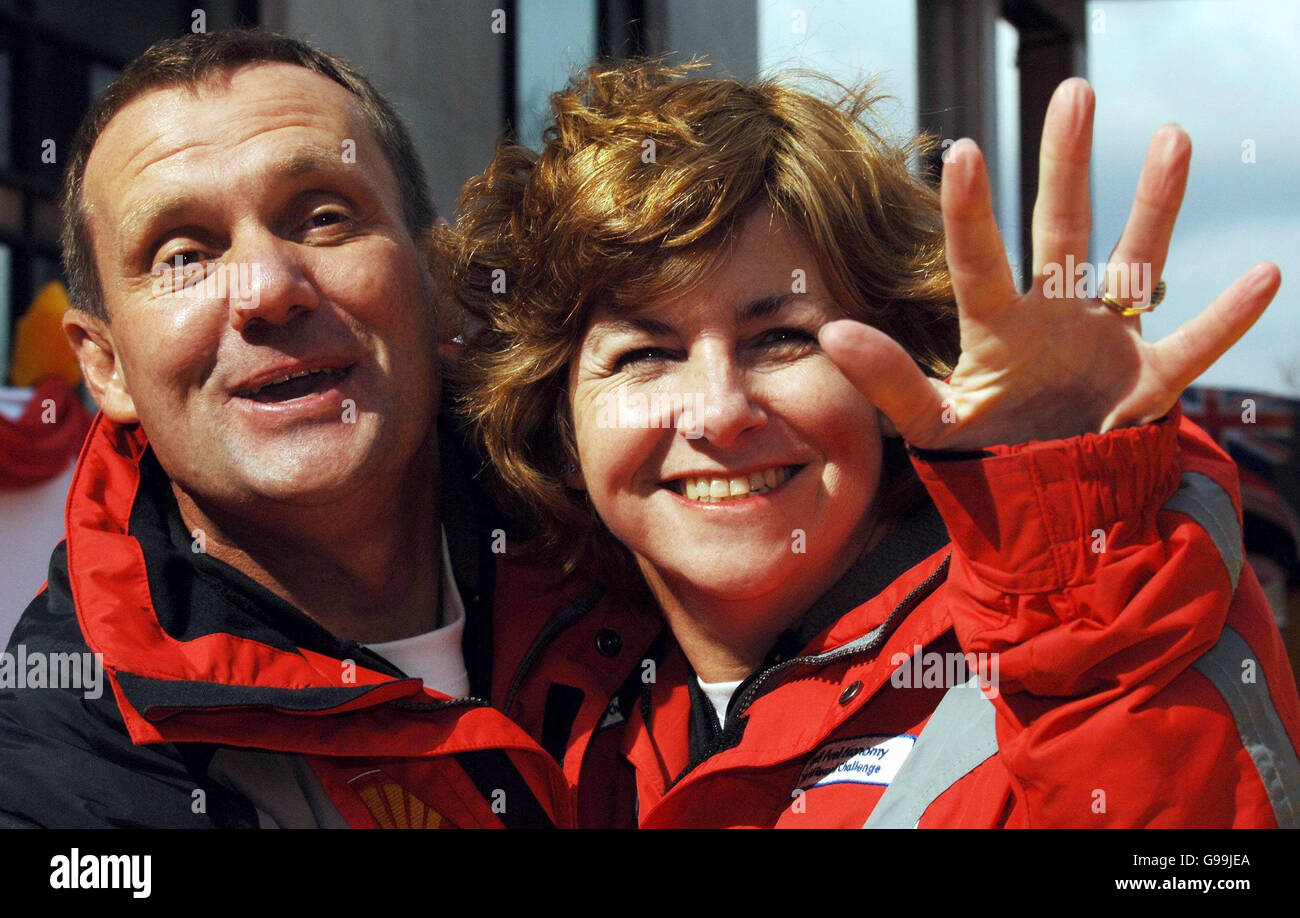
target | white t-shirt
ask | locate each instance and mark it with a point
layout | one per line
(720, 694)
(435, 656)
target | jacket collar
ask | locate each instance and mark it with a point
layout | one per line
(850, 621)
(182, 632)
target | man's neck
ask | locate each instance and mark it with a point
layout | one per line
(367, 568)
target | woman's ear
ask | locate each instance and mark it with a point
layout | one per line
(571, 475)
(887, 427)
(449, 314)
(101, 367)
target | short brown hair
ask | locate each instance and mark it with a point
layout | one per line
(188, 61)
(592, 221)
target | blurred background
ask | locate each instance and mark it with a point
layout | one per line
(465, 74)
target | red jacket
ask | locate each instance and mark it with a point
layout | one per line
(1137, 676)
(229, 707)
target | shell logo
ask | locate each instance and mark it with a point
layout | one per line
(393, 806)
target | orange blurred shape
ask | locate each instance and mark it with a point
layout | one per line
(40, 347)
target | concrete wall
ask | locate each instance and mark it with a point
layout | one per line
(438, 61)
(726, 31)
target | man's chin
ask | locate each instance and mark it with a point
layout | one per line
(309, 473)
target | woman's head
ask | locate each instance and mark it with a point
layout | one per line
(650, 287)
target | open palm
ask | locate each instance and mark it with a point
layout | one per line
(1041, 365)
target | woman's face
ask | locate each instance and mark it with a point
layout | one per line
(717, 441)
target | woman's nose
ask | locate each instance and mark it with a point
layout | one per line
(724, 405)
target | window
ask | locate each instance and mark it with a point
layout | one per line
(56, 56)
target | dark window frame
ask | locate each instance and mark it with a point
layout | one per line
(24, 36)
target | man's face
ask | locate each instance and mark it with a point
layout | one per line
(293, 358)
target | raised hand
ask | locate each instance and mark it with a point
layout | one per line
(1042, 365)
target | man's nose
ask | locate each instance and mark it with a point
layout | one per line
(272, 283)
(725, 407)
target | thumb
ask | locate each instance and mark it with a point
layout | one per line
(884, 373)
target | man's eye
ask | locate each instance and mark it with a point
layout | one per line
(325, 218)
(641, 356)
(180, 259)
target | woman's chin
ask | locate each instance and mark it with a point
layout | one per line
(733, 575)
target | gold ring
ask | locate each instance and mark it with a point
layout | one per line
(1124, 309)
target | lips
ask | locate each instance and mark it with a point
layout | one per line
(717, 489)
(289, 382)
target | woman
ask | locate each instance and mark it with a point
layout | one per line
(732, 352)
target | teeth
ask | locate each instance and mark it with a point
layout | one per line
(711, 490)
(289, 376)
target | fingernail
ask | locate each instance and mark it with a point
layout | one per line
(1261, 275)
(960, 149)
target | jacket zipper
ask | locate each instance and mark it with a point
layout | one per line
(750, 695)
(425, 706)
(909, 602)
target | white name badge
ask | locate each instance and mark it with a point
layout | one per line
(861, 760)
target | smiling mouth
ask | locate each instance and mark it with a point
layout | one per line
(298, 384)
(709, 490)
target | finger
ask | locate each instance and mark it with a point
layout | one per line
(1145, 240)
(1186, 353)
(882, 371)
(1062, 217)
(977, 262)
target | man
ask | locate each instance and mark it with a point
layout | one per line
(253, 546)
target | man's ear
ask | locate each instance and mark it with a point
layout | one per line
(92, 342)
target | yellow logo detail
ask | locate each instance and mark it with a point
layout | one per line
(393, 806)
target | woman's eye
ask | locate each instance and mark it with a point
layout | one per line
(786, 337)
(641, 356)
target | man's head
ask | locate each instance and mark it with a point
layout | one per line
(243, 217)
(191, 60)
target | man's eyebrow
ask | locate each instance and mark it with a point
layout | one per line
(162, 207)
(311, 159)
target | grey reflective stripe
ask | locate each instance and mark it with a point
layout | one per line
(1201, 498)
(958, 737)
(1258, 725)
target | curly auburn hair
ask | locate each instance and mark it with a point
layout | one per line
(645, 172)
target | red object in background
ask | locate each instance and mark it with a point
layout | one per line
(1259, 432)
(48, 435)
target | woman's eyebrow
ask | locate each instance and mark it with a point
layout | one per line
(630, 325)
(768, 306)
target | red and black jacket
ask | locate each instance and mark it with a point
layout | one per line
(1140, 679)
(223, 705)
